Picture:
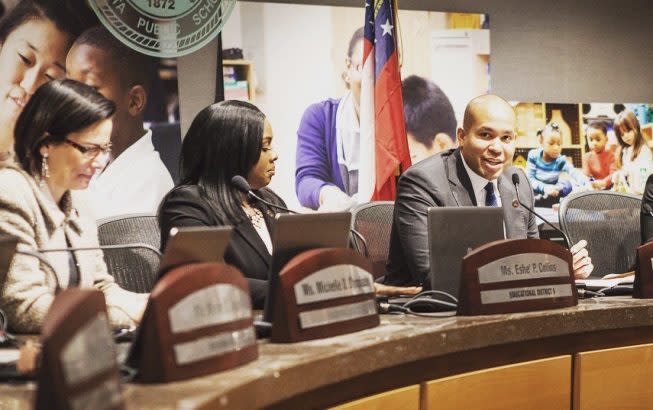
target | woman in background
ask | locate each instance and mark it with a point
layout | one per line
(61, 139)
(34, 40)
(328, 142)
(634, 160)
(227, 139)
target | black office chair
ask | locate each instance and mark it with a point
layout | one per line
(609, 222)
(134, 266)
(374, 222)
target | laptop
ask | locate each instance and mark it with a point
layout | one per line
(195, 244)
(295, 233)
(453, 233)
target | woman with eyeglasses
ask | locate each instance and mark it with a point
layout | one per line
(326, 173)
(634, 159)
(62, 137)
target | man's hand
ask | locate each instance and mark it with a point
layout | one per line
(581, 261)
(385, 290)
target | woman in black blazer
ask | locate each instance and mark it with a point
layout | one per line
(227, 139)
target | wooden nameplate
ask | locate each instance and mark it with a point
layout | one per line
(516, 275)
(78, 369)
(322, 293)
(643, 285)
(198, 321)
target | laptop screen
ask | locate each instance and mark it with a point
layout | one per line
(453, 233)
(195, 244)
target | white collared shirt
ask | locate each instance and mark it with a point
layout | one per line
(133, 183)
(478, 185)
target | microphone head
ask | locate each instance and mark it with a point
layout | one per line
(240, 184)
(515, 179)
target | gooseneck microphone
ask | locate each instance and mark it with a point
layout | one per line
(242, 185)
(517, 202)
(39, 254)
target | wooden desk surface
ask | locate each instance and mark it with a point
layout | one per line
(404, 350)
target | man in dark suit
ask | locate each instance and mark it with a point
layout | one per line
(477, 173)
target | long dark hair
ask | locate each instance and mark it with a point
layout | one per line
(72, 17)
(224, 140)
(627, 121)
(56, 109)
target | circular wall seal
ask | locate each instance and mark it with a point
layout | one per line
(164, 28)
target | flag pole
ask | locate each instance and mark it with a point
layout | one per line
(399, 44)
(399, 40)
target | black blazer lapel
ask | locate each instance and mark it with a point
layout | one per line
(246, 230)
(459, 182)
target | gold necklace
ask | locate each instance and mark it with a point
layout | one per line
(255, 216)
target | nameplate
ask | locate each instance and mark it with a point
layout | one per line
(529, 293)
(214, 305)
(78, 367)
(90, 352)
(107, 395)
(334, 282)
(323, 292)
(327, 316)
(198, 321)
(516, 275)
(523, 266)
(216, 345)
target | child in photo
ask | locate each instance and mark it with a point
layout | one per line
(634, 160)
(549, 173)
(599, 162)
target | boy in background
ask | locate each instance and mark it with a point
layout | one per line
(135, 180)
(430, 119)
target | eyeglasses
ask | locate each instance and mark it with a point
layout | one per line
(90, 151)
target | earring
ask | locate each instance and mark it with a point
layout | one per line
(45, 171)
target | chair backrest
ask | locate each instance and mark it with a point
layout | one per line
(133, 268)
(609, 222)
(374, 222)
